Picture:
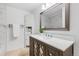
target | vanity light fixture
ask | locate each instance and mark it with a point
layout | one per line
(47, 5)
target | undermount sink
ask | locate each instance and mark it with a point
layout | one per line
(52, 35)
(47, 35)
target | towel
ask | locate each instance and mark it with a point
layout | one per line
(16, 29)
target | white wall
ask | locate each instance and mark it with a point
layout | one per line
(29, 21)
(36, 14)
(74, 26)
(16, 16)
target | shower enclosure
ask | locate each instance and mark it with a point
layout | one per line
(13, 35)
(3, 28)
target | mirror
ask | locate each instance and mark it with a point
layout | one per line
(55, 17)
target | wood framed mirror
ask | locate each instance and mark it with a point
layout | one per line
(56, 17)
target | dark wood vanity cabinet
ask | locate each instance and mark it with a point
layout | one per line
(38, 48)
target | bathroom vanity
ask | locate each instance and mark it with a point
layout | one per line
(46, 46)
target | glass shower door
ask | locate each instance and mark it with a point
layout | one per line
(3, 29)
(3, 39)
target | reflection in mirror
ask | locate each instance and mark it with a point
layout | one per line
(56, 17)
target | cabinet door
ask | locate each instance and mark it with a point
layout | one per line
(51, 51)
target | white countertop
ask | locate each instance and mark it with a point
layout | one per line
(59, 43)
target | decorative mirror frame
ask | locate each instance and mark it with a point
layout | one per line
(67, 19)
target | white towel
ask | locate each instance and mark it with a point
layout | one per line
(16, 29)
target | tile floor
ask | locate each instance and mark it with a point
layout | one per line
(17, 52)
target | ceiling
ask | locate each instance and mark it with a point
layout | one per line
(25, 6)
